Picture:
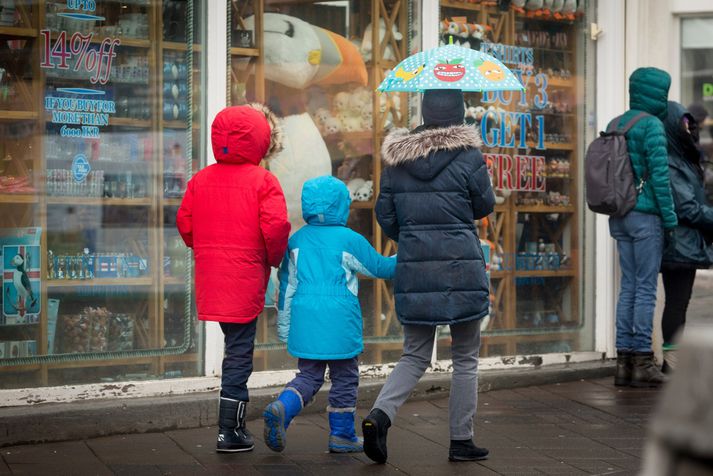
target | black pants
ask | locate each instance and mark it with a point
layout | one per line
(237, 359)
(677, 285)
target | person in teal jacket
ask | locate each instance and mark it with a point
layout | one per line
(640, 233)
(319, 315)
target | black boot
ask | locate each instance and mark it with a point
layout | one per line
(233, 436)
(374, 428)
(646, 373)
(624, 368)
(465, 450)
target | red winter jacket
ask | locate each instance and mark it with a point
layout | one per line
(234, 217)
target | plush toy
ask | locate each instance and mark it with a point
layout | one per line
(519, 5)
(569, 9)
(321, 116)
(365, 192)
(332, 126)
(534, 7)
(557, 6)
(304, 156)
(298, 54)
(366, 43)
(547, 8)
(354, 185)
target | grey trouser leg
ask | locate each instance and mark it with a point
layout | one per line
(463, 400)
(418, 348)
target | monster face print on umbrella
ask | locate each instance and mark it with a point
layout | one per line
(450, 67)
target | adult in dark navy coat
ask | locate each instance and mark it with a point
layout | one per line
(435, 186)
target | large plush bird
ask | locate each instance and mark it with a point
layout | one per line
(22, 282)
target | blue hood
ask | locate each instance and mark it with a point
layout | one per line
(325, 201)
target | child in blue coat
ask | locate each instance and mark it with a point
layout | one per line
(319, 314)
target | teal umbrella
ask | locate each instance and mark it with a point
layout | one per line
(450, 67)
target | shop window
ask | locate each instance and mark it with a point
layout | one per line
(533, 143)
(697, 78)
(99, 132)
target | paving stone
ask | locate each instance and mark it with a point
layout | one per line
(145, 449)
(135, 470)
(280, 470)
(35, 459)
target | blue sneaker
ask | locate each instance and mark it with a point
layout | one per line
(342, 437)
(277, 417)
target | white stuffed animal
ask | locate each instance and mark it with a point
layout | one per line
(341, 101)
(321, 116)
(365, 192)
(304, 156)
(332, 126)
(366, 43)
(292, 49)
(354, 186)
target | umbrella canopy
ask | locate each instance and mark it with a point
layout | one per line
(450, 67)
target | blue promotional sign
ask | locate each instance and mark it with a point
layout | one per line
(80, 168)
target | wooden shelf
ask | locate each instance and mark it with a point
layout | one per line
(178, 46)
(129, 122)
(544, 209)
(18, 115)
(180, 358)
(19, 198)
(362, 205)
(174, 281)
(72, 283)
(18, 31)
(172, 202)
(553, 146)
(237, 51)
(100, 201)
(561, 83)
(546, 273)
(474, 7)
(180, 125)
(99, 38)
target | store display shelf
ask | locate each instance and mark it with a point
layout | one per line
(99, 201)
(498, 274)
(178, 46)
(363, 205)
(547, 19)
(544, 209)
(99, 38)
(237, 51)
(193, 357)
(101, 363)
(174, 281)
(546, 273)
(172, 202)
(18, 115)
(179, 125)
(554, 145)
(561, 83)
(70, 283)
(475, 7)
(18, 31)
(18, 198)
(129, 122)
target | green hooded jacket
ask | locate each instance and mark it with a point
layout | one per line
(646, 141)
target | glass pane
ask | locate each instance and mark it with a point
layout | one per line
(533, 144)
(100, 128)
(316, 66)
(697, 81)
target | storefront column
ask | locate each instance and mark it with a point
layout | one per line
(217, 82)
(611, 77)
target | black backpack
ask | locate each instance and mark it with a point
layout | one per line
(611, 186)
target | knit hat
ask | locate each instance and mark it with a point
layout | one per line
(443, 107)
(698, 112)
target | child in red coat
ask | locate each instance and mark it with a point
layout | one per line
(234, 217)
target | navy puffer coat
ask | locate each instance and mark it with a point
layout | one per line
(435, 186)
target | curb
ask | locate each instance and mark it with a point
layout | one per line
(76, 421)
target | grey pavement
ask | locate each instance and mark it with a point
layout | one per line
(575, 428)
(700, 310)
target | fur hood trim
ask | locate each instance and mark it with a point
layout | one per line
(401, 146)
(276, 140)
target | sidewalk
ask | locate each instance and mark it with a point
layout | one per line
(583, 427)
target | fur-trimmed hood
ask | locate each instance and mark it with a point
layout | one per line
(402, 147)
(245, 134)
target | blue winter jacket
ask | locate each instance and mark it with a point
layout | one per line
(318, 310)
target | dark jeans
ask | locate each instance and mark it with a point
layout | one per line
(343, 373)
(237, 359)
(678, 285)
(639, 240)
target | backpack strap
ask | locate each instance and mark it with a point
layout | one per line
(616, 123)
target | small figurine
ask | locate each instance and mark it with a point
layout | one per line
(50, 265)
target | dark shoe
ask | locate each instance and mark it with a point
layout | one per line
(465, 450)
(624, 368)
(375, 427)
(646, 373)
(233, 436)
